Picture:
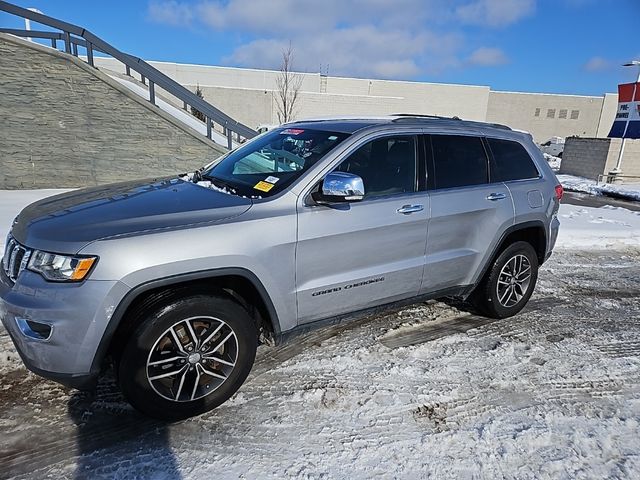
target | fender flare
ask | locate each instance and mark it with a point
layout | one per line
(127, 300)
(500, 243)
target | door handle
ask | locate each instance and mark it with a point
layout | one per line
(407, 209)
(496, 196)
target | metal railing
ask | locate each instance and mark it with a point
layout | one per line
(73, 37)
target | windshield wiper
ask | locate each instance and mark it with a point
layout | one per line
(218, 183)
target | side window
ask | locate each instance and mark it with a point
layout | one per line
(458, 161)
(511, 161)
(387, 166)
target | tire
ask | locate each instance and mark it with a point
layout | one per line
(510, 296)
(209, 342)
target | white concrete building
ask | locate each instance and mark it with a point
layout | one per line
(248, 95)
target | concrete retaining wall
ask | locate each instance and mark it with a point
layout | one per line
(590, 157)
(585, 157)
(66, 124)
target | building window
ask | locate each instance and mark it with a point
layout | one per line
(551, 113)
(575, 114)
(562, 113)
(537, 113)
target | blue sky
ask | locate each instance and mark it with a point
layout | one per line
(555, 46)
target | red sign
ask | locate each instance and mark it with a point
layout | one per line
(627, 121)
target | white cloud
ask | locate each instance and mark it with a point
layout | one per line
(495, 13)
(170, 13)
(380, 38)
(488, 57)
(359, 51)
(598, 64)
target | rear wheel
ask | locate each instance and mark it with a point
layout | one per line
(509, 283)
(188, 356)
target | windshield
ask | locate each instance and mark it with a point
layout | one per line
(271, 162)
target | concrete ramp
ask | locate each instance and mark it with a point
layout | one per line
(178, 113)
(64, 123)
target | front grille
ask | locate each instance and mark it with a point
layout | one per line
(15, 260)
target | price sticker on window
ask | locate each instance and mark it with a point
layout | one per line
(263, 186)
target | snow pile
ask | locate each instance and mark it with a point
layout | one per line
(554, 162)
(189, 177)
(630, 191)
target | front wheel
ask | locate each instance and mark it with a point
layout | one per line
(188, 356)
(508, 285)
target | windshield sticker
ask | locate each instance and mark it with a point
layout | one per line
(332, 138)
(292, 131)
(271, 179)
(263, 186)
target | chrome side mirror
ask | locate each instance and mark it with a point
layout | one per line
(342, 187)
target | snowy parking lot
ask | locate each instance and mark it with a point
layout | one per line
(426, 390)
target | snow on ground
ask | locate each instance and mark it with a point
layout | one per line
(551, 393)
(605, 227)
(630, 191)
(177, 113)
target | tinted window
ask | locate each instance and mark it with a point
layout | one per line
(272, 161)
(387, 166)
(458, 161)
(511, 161)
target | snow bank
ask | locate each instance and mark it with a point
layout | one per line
(554, 162)
(630, 191)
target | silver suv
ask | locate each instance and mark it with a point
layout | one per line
(175, 281)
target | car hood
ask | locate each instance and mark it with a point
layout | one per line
(65, 223)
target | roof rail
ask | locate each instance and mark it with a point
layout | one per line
(408, 117)
(73, 36)
(421, 115)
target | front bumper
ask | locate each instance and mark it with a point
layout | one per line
(77, 314)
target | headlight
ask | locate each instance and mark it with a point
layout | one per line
(60, 268)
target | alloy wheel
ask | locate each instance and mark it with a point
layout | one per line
(192, 358)
(513, 281)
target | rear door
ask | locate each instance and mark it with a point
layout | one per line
(357, 255)
(467, 211)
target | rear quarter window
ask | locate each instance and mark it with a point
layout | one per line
(511, 161)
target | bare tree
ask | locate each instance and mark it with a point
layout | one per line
(288, 86)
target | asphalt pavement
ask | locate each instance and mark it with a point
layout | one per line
(586, 200)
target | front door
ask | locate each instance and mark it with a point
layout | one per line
(362, 254)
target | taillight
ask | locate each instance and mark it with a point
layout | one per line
(559, 192)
